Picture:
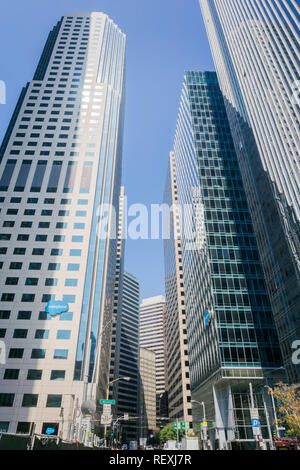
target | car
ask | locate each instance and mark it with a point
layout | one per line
(149, 448)
(124, 447)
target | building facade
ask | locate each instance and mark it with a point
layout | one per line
(232, 340)
(153, 337)
(125, 338)
(126, 357)
(177, 362)
(255, 46)
(61, 159)
(147, 401)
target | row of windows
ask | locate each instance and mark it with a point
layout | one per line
(41, 251)
(26, 315)
(38, 266)
(33, 374)
(34, 281)
(60, 225)
(51, 201)
(10, 297)
(30, 400)
(45, 212)
(18, 353)
(39, 334)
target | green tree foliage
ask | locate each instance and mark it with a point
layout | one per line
(168, 433)
(288, 407)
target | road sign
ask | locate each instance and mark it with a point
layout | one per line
(107, 409)
(254, 413)
(255, 423)
(106, 419)
(177, 426)
(107, 402)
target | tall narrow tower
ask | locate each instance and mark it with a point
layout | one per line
(153, 337)
(60, 173)
(255, 45)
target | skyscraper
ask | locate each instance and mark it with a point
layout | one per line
(125, 337)
(126, 355)
(177, 360)
(147, 390)
(153, 337)
(60, 161)
(232, 341)
(255, 45)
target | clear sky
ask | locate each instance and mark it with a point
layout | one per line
(164, 38)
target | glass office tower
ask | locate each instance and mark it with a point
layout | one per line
(232, 340)
(61, 160)
(255, 45)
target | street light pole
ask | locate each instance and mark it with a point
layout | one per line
(274, 409)
(204, 420)
(107, 396)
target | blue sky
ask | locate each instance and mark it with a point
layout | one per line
(164, 38)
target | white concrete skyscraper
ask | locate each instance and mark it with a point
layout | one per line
(61, 160)
(255, 45)
(153, 337)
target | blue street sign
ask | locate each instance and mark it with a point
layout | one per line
(50, 431)
(255, 423)
(206, 317)
(54, 307)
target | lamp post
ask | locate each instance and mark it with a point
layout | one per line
(274, 410)
(127, 379)
(203, 420)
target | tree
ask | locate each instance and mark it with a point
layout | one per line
(168, 433)
(288, 407)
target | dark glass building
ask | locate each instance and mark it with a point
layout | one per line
(232, 340)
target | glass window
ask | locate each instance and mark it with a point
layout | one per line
(11, 374)
(77, 238)
(38, 354)
(60, 354)
(24, 427)
(41, 334)
(20, 333)
(23, 175)
(75, 252)
(7, 399)
(71, 282)
(54, 401)
(54, 266)
(73, 267)
(30, 400)
(16, 353)
(58, 375)
(54, 176)
(7, 174)
(63, 334)
(34, 374)
(4, 425)
(24, 315)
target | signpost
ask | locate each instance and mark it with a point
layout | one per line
(107, 402)
(106, 419)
